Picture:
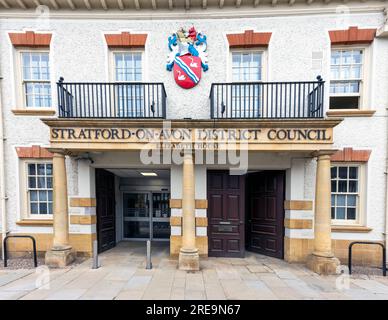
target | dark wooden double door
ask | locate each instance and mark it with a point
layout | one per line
(105, 209)
(245, 212)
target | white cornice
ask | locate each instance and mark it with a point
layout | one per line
(176, 14)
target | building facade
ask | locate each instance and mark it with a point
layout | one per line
(220, 127)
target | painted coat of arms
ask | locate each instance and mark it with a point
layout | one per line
(187, 57)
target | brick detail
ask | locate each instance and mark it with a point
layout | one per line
(34, 152)
(353, 35)
(84, 220)
(175, 221)
(126, 40)
(350, 155)
(298, 205)
(249, 39)
(30, 39)
(82, 202)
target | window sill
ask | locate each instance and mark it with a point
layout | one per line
(34, 112)
(35, 222)
(360, 229)
(350, 113)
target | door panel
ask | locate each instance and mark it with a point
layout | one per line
(226, 214)
(265, 213)
(105, 209)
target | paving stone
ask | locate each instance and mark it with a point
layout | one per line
(255, 268)
(122, 275)
(195, 295)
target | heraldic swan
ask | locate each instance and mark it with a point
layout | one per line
(180, 76)
(193, 64)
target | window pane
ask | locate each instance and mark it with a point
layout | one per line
(353, 173)
(341, 201)
(49, 182)
(334, 186)
(342, 186)
(49, 169)
(333, 172)
(34, 195)
(41, 169)
(41, 182)
(332, 212)
(340, 213)
(343, 172)
(42, 196)
(31, 169)
(34, 208)
(43, 208)
(31, 182)
(351, 201)
(351, 213)
(353, 186)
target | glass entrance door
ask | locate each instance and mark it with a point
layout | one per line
(146, 215)
(136, 216)
(160, 215)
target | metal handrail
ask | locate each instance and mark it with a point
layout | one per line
(19, 236)
(267, 100)
(111, 99)
(384, 262)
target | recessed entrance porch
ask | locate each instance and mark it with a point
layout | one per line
(132, 205)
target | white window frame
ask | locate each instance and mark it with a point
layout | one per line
(264, 62)
(361, 199)
(364, 87)
(24, 190)
(112, 65)
(20, 93)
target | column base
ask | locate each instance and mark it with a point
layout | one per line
(188, 260)
(59, 257)
(323, 265)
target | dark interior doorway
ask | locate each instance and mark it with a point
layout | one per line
(265, 213)
(105, 209)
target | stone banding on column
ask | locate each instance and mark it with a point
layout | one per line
(199, 203)
(82, 202)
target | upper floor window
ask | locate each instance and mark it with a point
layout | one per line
(128, 67)
(36, 79)
(346, 83)
(346, 193)
(246, 66)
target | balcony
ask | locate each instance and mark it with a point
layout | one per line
(111, 100)
(267, 100)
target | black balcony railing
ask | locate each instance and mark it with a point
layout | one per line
(111, 100)
(267, 100)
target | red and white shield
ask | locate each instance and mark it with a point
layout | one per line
(187, 71)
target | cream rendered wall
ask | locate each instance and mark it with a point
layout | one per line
(79, 53)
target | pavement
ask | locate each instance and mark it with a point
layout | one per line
(122, 275)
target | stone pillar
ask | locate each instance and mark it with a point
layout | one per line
(60, 254)
(322, 259)
(188, 255)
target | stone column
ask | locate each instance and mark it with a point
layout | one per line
(322, 259)
(188, 255)
(60, 254)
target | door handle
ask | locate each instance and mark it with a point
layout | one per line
(224, 222)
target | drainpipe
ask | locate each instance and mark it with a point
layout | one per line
(3, 196)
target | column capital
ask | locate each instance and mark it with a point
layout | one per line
(323, 153)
